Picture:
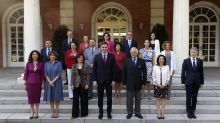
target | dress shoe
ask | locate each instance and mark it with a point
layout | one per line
(31, 117)
(66, 83)
(100, 116)
(109, 116)
(139, 116)
(129, 116)
(36, 117)
(193, 116)
(73, 117)
(162, 117)
(90, 97)
(189, 115)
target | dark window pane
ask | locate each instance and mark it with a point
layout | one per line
(201, 19)
(212, 28)
(205, 40)
(198, 11)
(212, 46)
(211, 58)
(205, 28)
(213, 19)
(204, 52)
(204, 10)
(212, 52)
(205, 46)
(210, 14)
(212, 34)
(212, 40)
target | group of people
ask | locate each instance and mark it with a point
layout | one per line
(110, 64)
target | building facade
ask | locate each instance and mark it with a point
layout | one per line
(188, 23)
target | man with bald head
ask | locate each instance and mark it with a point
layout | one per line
(134, 79)
(192, 78)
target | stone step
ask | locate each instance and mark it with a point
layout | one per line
(116, 109)
(175, 86)
(175, 93)
(122, 101)
(116, 118)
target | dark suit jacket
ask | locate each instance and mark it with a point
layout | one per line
(66, 46)
(134, 75)
(45, 58)
(104, 72)
(127, 48)
(190, 75)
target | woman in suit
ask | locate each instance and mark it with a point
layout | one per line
(70, 60)
(170, 61)
(155, 45)
(53, 86)
(80, 85)
(33, 77)
(147, 54)
(120, 57)
(161, 77)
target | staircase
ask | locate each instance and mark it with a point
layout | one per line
(14, 107)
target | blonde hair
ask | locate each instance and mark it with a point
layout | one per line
(167, 42)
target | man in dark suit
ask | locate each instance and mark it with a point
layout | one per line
(67, 41)
(67, 45)
(193, 78)
(134, 79)
(45, 51)
(128, 44)
(103, 69)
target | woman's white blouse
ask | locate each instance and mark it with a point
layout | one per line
(157, 75)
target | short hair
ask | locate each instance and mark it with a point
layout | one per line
(118, 43)
(159, 58)
(53, 52)
(92, 39)
(78, 56)
(194, 48)
(167, 42)
(30, 59)
(103, 43)
(134, 48)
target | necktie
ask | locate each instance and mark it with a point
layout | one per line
(92, 51)
(104, 58)
(194, 63)
(48, 52)
(134, 60)
(160, 76)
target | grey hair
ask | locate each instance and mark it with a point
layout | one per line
(134, 49)
(194, 49)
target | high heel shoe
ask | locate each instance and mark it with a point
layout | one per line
(31, 117)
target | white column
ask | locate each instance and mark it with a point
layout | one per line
(180, 31)
(32, 27)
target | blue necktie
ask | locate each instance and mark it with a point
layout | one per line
(194, 64)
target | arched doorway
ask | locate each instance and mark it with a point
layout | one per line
(112, 18)
(15, 39)
(203, 34)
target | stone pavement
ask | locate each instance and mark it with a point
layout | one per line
(15, 109)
